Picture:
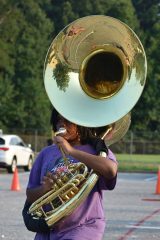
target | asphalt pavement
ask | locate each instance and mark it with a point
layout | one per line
(132, 209)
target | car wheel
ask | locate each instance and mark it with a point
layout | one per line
(29, 166)
(13, 166)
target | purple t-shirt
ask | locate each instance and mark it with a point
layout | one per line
(88, 220)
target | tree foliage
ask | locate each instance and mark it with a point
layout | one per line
(24, 39)
(148, 108)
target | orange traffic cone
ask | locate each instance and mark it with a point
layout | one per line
(158, 183)
(15, 181)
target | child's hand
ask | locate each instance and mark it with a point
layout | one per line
(48, 181)
(64, 144)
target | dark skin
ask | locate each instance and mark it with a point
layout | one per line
(103, 167)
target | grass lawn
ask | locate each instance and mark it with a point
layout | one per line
(138, 162)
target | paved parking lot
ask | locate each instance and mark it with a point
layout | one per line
(132, 209)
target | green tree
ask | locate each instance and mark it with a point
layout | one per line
(8, 35)
(24, 39)
(63, 12)
(148, 109)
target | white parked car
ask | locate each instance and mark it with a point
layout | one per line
(15, 153)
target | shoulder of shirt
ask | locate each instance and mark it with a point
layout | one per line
(48, 149)
(112, 156)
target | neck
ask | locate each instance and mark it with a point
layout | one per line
(75, 142)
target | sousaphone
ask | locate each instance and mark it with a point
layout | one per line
(95, 71)
(94, 74)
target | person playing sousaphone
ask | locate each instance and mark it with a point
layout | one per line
(79, 145)
(92, 80)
